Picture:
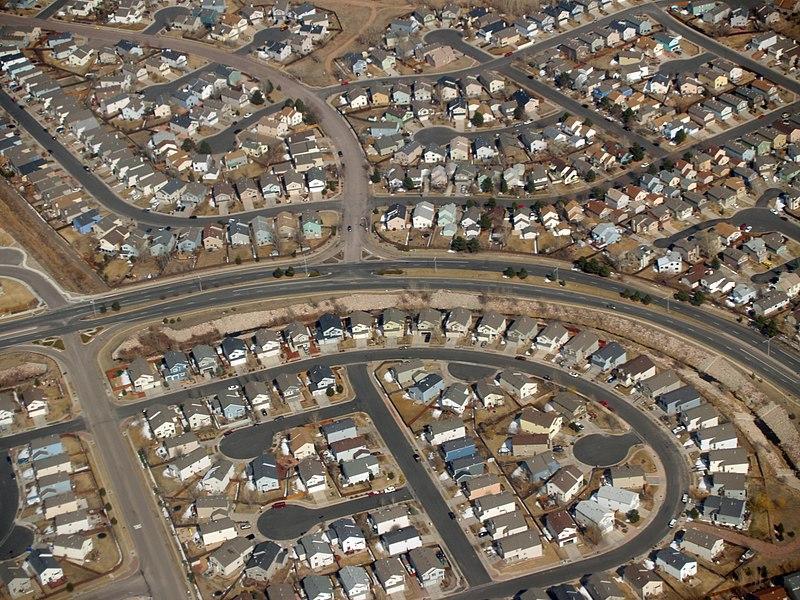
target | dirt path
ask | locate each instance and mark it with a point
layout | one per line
(766, 549)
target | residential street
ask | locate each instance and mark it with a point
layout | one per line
(356, 263)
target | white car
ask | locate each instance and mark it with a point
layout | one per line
(574, 374)
(672, 523)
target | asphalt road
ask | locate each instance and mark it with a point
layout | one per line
(598, 450)
(293, 521)
(730, 339)
(14, 539)
(442, 135)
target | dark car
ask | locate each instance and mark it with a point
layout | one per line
(452, 515)
(416, 456)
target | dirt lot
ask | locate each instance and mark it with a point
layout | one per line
(46, 246)
(16, 297)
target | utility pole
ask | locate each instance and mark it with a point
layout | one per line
(434, 265)
(200, 283)
(305, 264)
(94, 313)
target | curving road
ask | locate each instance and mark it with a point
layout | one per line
(740, 343)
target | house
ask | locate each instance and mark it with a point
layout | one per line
(400, 541)
(34, 402)
(443, 430)
(570, 406)
(524, 545)
(234, 350)
(361, 324)
(231, 405)
(391, 575)
(724, 511)
(176, 366)
(699, 417)
(360, 470)
(644, 582)
(490, 506)
(676, 564)
(552, 337)
(265, 559)
(182, 444)
(602, 586)
(589, 513)
(347, 535)
(562, 527)
(162, 421)
(41, 564)
(427, 565)
(141, 375)
(490, 327)
(517, 385)
(489, 394)
(579, 347)
(339, 430)
(315, 550)
(609, 357)
(312, 474)
(702, 543)
(457, 323)
(230, 557)
(679, 400)
(616, 499)
(662, 383)
(355, 582)
(205, 359)
(718, 437)
(456, 397)
(321, 380)
(506, 524)
(627, 476)
(729, 485)
(263, 472)
(635, 370)
(187, 466)
(15, 580)
(427, 388)
(536, 421)
(482, 485)
(770, 303)
(330, 329)
(317, 587)
(349, 448)
(565, 483)
(72, 522)
(289, 386)
(731, 460)
(386, 519)
(393, 323)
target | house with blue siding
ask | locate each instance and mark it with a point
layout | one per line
(459, 448)
(176, 366)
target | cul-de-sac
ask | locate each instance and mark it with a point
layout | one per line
(372, 300)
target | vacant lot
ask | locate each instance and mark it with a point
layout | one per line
(16, 297)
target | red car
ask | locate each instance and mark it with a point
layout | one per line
(604, 403)
(508, 53)
(278, 505)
